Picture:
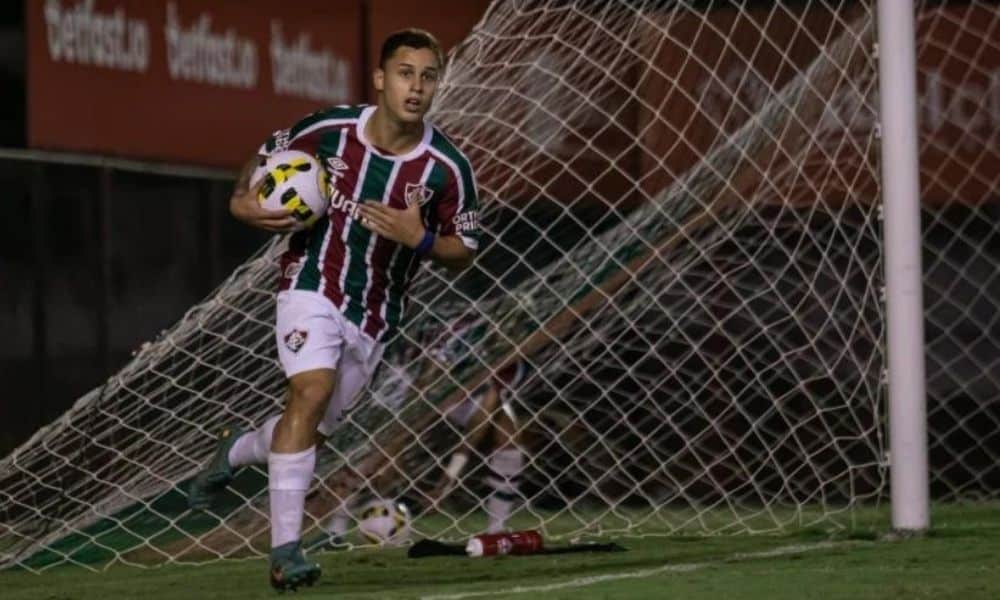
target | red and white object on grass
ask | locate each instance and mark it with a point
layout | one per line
(515, 542)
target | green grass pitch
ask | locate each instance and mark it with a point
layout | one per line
(959, 558)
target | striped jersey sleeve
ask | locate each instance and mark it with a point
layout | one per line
(294, 136)
(458, 208)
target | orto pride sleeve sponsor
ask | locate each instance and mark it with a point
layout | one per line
(457, 210)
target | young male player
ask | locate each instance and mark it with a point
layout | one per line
(400, 192)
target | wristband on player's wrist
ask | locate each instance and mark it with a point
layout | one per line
(425, 245)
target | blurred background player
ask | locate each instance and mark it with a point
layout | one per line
(489, 428)
(400, 192)
(485, 420)
(487, 423)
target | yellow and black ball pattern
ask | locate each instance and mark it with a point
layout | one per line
(294, 181)
(382, 522)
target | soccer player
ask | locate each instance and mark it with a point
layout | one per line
(400, 192)
(489, 425)
(486, 421)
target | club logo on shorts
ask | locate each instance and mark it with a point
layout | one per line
(296, 339)
(417, 193)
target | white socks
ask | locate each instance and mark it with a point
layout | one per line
(289, 476)
(252, 447)
(505, 470)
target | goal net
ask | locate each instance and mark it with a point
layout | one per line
(958, 58)
(682, 242)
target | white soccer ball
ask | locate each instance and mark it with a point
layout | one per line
(296, 181)
(385, 522)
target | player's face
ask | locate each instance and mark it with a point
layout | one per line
(407, 83)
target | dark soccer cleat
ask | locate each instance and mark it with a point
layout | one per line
(208, 484)
(289, 568)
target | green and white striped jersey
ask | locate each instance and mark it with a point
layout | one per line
(365, 275)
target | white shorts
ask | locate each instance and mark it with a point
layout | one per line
(313, 334)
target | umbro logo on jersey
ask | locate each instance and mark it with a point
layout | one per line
(296, 339)
(335, 167)
(336, 164)
(417, 193)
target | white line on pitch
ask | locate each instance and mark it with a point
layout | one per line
(678, 568)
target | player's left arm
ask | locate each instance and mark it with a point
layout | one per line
(457, 215)
(450, 252)
(406, 227)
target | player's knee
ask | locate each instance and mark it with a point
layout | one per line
(308, 397)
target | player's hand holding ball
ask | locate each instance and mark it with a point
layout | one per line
(289, 191)
(245, 207)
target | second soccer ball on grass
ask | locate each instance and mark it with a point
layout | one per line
(385, 522)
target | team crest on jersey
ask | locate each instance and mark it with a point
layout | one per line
(296, 339)
(417, 193)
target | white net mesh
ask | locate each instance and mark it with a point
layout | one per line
(958, 55)
(682, 242)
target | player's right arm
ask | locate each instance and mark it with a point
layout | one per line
(244, 206)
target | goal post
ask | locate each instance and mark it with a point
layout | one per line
(903, 272)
